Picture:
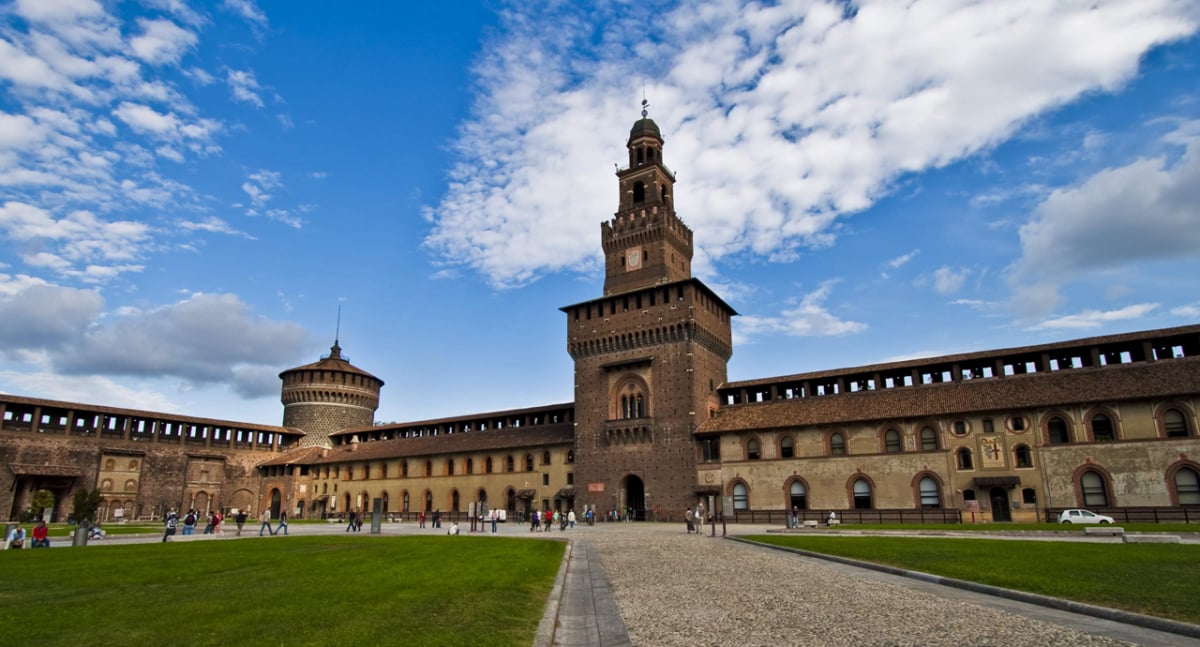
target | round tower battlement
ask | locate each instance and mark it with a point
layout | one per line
(328, 396)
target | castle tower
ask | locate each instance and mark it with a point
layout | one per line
(328, 396)
(650, 354)
(645, 244)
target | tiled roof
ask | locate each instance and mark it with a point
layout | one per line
(966, 358)
(1160, 380)
(456, 443)
(296, 456)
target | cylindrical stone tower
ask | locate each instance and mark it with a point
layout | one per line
(328, 396)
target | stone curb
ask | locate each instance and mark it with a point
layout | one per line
(1126, 617)
(549, 623)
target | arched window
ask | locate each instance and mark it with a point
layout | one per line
(545, 458)
(798, 495)
(570, 457)
(1056, 431)
(470, 466)
(862, 495)
(1187, 486)
(753, 452)
(405, 501)
(110, 464)
(965, 460)
(1023, 455)
(837, 444)
(454, 501)
(383, 470)
(508, 464)
(741, 497)
(449, 467)
(130, 485)
(1174, 424)
(891, 441)
(428, 501)
(487, 465)
(106, 485)
(528, 462)
(1095, 491)
(1102, 429)
(403, 469)
(929, 439)
(428, 468)
(787, 447)
(931, 496)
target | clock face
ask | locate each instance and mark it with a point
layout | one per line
(633, 258)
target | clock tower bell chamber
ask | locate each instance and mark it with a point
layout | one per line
(645, 244)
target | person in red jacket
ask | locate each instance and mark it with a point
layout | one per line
(41, 537)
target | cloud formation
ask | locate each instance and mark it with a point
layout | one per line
(782, 119)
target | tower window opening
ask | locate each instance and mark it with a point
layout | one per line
(639, 192)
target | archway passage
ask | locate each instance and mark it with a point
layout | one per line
(276, 503)
(1000, 507)
(635, 497)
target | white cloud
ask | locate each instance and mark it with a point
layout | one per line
(781, 118)
(248, 10)
(37, 316)
(259, 184)
(947, 280)
(244, 87)
(1097, 318)
(1144, 210)
(161, 41)
(80, 237)
(900, 261)
(807, 318)
(98, 390)
(206, 338)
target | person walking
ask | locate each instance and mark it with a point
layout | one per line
(172, 521)
(421, 518)
(282, 523)
(240, 520)
(535, 521)
(571, 518)
(353, 525)
(189, 522)
(266, 522)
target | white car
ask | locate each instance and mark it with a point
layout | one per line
(1082, 516)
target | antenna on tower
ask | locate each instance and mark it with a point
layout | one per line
(645, 104)
(337, 332)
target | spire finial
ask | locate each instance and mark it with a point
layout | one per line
(337, 331)
(645, 104)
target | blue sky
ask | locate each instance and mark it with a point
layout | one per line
(188, 193)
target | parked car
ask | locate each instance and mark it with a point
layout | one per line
(1082, 516)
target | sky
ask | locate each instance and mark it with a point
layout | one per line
(195, 197)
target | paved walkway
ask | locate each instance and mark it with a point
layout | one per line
(666, 587)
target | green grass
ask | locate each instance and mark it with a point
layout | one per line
(294, 591)
(1154, 579)
(1014, 527)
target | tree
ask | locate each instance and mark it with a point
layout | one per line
(86, 504)
(42, 499)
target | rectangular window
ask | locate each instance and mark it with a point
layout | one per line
(988, 427)
(545, 479)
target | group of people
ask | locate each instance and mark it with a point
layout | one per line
(215, 522)
(17, 537)
(544, 520)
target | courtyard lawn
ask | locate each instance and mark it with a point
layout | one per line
(1154, 579)
(285, 591)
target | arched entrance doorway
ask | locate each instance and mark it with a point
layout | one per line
(1000, 508)
(633, 495)
(276, 502)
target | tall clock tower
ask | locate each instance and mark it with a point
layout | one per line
(649, 354)
(645, 244)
